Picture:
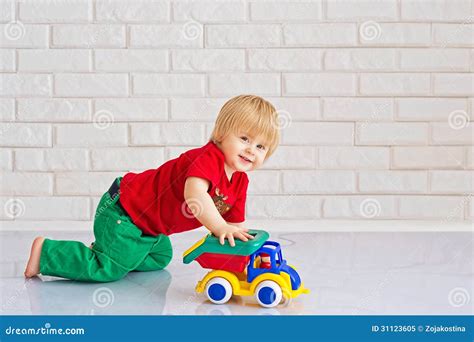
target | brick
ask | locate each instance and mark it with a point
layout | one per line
(6, 160)
(188, 35)
(363, 207)
(285, 59)
(206, 109)
(169, 84)
(283, 207)
(318, 182)
(7, 60)
(246, 83)
(471, 67)
(434, 59)
(427, 157)
(285, 11)
(116, 159)
(209, 11)
(245, 36)
(435, 10)
(264, 182)
(132, 11)
(360, 59)
(91, 85)
(55, 11)
(6, 10)
(428, 109)
(382, 133)
(26, 183)
(297, 108)
(453, 34)
(7, 110)
(25, 135)
(131, 60)
(152, 134)
(51, 208)
(25, 85)
(322, 84)
(446, 134)
(91, 36)
(458, 182)
(16, 35)
(84, 183)
(208, 128)
(470, 157)
(173, 152)
(354, 157)
(95, 134)
(130, 109)
(430, 207)
(454, 84)
(395, 34)
(320, 133)
(51, 159)
(327, 34)
(351, 109)
(54, 60)
(393, 182)
(47, 110)
(292, 157)
(209, 60)
(395, 84)
(367, 9)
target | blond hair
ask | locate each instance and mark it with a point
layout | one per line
(251, 114)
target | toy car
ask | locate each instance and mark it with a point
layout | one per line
(242, 270)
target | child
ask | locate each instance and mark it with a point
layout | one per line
(204, 186)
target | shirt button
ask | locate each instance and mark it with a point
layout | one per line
(119, 221)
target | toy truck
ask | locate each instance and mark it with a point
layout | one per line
(252, 268)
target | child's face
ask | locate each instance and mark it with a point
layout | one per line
(243, 152)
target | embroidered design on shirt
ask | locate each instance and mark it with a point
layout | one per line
(219, 199)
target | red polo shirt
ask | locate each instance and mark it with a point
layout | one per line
(154, 199)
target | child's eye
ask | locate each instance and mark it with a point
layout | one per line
(244, 138)
(261, 147)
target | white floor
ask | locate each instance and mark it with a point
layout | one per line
(348, 273)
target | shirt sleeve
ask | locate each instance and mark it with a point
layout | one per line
(207, 165)
(237, 213)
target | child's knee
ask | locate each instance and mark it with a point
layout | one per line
(164, 252)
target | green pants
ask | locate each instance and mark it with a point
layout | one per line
(119, 247)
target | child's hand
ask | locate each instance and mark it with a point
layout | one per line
(229, 231)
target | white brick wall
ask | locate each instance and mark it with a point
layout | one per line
(376, 98)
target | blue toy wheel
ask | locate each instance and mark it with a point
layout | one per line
(268, 294)
(218, 290)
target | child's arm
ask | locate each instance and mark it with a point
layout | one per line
(195, 194)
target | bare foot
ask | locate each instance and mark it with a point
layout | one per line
(32, 268)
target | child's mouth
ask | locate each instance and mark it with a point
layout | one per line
(245, 159)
